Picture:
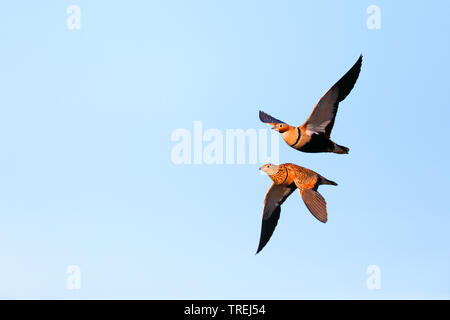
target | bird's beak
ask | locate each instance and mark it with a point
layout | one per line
(273, 126)
(260, 168)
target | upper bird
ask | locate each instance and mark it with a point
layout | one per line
(286, 178)
(314, 134)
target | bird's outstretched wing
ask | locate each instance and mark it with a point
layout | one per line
(324, 113)
(275, 197)
(264, 117)
(315, 203)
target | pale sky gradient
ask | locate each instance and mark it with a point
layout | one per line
(86, 176)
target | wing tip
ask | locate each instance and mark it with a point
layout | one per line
(360, 60)
(260, 247)
(261, 115)
(266, 118)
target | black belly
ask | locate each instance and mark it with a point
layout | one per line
(318, 143)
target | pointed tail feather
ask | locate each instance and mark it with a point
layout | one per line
(326, 181)
(340, 149)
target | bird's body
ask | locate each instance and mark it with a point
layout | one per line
(299, 139)
(314, 135)
(286, 179)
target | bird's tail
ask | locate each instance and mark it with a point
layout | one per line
(326, 181)
(340, 149)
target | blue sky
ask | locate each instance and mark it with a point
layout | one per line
(87, 179)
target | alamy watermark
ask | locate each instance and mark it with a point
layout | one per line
(373, 22)
(229, 146)
(73, 281)
(373, 282)
(73, 21)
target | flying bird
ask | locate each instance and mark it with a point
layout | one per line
(314, 135)
(286, 178)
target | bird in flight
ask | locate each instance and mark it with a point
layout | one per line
(314, 135)
(286, 178)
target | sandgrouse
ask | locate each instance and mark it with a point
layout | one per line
(314, 135)
(286, 178)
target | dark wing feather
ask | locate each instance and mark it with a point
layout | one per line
(323, 116)
(264, 117)
(275, 197)
(268, 227)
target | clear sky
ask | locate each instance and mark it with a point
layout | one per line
(87, 178)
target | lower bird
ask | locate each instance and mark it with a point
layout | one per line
(286, 178)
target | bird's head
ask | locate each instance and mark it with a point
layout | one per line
(280, 127)
(269, 168)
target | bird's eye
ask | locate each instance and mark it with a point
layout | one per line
(280, 125)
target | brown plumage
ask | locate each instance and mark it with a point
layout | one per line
(286, 178)
(314, 134)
